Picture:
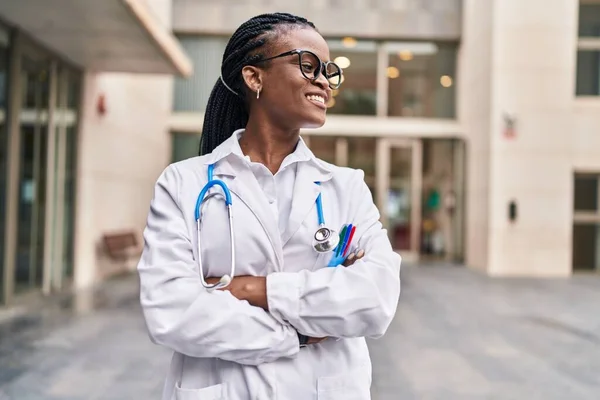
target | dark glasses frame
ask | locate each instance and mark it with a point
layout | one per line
(322, 68)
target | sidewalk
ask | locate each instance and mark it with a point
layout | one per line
(457, 335)
(90, 346)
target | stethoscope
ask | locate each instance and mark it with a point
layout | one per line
(324, 239)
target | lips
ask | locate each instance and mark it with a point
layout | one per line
(316, 98)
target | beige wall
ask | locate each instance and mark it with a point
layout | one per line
(586, 135)
(474, 108)
(121, 154)
(530, 75)
(533, 64)
(162, 10)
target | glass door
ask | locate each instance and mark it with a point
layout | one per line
(4, 68)
(399, 182)
(35, 89)
(59, 261)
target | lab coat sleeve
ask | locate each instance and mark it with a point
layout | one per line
(180, 314)
(344, 302)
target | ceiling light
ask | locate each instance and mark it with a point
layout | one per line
(349, 42)
(406, 55)
(393, 72)
(342, 62)
(446, 81)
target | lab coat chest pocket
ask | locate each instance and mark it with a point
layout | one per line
(252, 249)
(216, 392)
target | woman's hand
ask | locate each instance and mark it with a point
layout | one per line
(352, 258)
(253, 289)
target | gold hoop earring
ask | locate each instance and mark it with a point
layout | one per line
(257, 93)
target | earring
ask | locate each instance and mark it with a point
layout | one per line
(257, 93)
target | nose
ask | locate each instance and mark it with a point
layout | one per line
(323, 83)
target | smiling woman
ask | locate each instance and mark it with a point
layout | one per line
(285, 61)
(248, 306)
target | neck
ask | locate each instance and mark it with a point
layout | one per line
(268, 144)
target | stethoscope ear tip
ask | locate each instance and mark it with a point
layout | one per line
(225, 280)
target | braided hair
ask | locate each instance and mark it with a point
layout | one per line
(227, 111)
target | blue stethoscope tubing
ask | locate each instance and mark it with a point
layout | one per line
(324, 240)
(202, 198)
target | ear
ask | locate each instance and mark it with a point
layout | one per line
(252, 77)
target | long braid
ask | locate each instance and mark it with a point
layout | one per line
(226, 111)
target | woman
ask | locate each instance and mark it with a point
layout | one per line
(263, 336)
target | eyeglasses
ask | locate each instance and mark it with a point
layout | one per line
(311, 67)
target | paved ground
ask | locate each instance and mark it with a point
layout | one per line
(457, 335)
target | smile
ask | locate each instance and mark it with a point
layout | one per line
(316, 99)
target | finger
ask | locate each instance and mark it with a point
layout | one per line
(360, 254)
(314, 340)
(349, 260)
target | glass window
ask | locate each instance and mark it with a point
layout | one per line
(588, 73)
(589, 20)
(422, 80)
(185, 145)
(206, 53)
(33, 159)
(586, 247)
(361, 155)
(358, 93)
(4, 53)
(586, 193)
(72, 109)
(323, 147)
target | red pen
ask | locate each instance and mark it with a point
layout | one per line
(349, 241)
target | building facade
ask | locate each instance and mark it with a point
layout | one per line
(84, 107)
(476, 123)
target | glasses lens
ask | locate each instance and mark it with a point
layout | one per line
(334, 75)
(309, 65)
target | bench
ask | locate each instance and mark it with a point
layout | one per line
(121, 246)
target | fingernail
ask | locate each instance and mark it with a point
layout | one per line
(360, 253)
(351, 257)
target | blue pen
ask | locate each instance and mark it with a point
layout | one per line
(339, 254)
(341, 249)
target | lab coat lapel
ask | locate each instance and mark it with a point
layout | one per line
(243, 184)
(305, 196)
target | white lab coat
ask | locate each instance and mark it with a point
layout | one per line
(227, 349)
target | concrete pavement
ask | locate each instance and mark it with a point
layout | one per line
(456, 335)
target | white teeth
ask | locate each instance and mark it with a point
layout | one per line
(316, 98)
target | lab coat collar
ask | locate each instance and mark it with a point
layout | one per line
(231, 152)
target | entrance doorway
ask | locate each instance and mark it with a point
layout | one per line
(417, 185)
(33, 164)
(37, 214)
(399, 182)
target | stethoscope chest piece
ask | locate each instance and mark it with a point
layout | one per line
(325, 240)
